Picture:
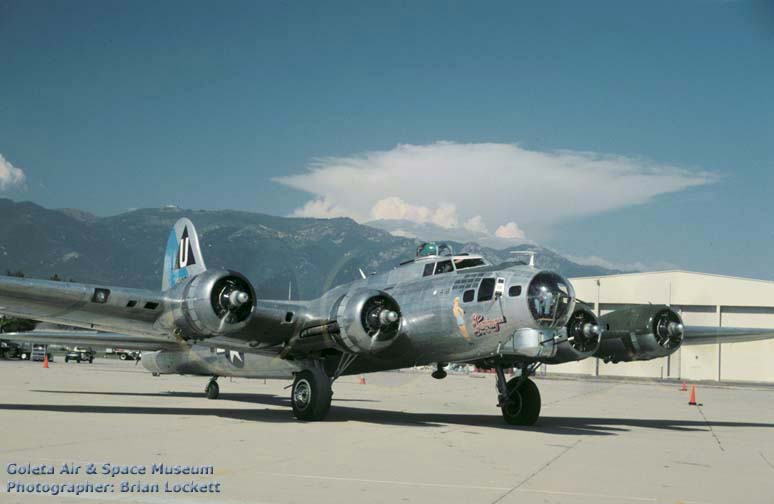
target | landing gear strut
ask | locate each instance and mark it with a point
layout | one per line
(212, 389)
(311, 395)
(519, 397)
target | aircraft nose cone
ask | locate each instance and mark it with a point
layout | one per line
(551, 299)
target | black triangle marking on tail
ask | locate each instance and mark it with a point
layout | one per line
(185, 255)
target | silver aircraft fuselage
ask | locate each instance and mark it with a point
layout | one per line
(445, 317)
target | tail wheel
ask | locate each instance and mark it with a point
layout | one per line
(523, 406)
(311, 395)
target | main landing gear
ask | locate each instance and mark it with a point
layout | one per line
(311, 395)
(312, 388)
(519, 397)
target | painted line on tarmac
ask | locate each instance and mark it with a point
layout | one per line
(382, 482)
(130, 498)
(541, 468)
(602, 496)
(468, 487)
(712, 431)
(592, 495)
(766, 460)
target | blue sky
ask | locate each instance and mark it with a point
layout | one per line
(108, 105)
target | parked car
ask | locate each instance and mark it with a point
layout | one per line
(80, 355)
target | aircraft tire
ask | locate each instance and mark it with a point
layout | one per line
(524, 405)
(212, 390)
(311, 396)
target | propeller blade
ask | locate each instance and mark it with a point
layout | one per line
(223, 322)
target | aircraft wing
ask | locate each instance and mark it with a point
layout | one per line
(194, 304)
(700, 335)
(663, 322)
(94, 339)
(91, 339)
(112, 309)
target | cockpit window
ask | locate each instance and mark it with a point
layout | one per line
(468, 263)
(428, 269)
(514, 291)
(443, 267)
(486, 289)
(468, 296)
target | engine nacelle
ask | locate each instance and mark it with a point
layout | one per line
(214, 302)
(582, 336)
(640, 333)
(369, 321)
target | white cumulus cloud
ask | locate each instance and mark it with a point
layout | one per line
(394, 208)
(10, 176)
(476, 224)
(483, 185)
(320, 208)
(510, 230)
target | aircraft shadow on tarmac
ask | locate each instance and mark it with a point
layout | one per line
(589, 426)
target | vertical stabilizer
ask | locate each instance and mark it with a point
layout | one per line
(182, 258)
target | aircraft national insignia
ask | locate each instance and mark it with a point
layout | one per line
(237, 359)
(185, 255)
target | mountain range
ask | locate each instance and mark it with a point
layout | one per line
(306, 256)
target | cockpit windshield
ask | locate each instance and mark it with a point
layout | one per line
(470, 262)
(443, 267)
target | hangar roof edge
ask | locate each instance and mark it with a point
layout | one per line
(641, 273)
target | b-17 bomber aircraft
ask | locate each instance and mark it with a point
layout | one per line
(434, 309)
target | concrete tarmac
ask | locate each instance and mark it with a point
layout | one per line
(401, 437)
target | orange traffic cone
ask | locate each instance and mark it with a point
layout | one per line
(692, 400)
(684, 388)
(45, 362)
(362, 380)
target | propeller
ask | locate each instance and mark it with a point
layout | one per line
(380, 319)
(583, 331)
(231, 300)
(669, 329)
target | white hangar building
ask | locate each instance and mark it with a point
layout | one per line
(701, 299)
